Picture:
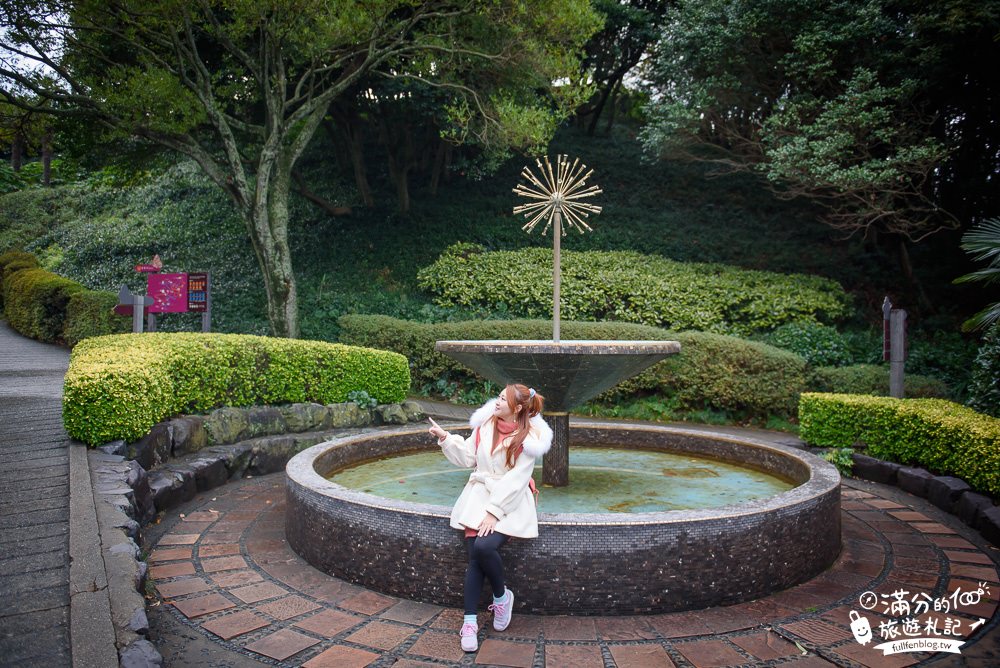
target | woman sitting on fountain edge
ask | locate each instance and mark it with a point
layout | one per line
(497, 502)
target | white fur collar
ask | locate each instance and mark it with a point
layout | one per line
(542, 433)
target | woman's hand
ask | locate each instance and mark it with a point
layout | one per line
(487, 525)
(437, 431)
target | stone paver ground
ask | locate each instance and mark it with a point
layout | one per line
(34, 504)
(230, 585)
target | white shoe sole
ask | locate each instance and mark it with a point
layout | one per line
(470, 647)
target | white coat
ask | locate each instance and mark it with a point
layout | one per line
(493, 487)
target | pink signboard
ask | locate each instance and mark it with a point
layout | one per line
(169, 292)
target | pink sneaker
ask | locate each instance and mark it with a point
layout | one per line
(470, 643)
(502, 612)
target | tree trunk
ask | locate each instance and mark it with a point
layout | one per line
(911, 277)
(47, 157)
(438, 166)
(17, 151)
(267, 223)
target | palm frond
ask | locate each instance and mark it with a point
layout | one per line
(983, 240)
(984, 319)
(987, 276)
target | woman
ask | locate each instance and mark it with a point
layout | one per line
(508, 435)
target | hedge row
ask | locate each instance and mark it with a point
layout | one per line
(942, 436)
(712, 370)
(631, 287)
(873, 379)
(118, 387)
(50, 308)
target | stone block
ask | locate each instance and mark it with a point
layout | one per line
(141, 572)
(271, 453)
(413, 411)
(138, 480)
(187, 434)
(171, 487)
(944, 491)
(140, 654)
(153, 448)
(349, 415)
(876, 470)
(226, 425)
(264, 421)
(237, 457)
(139, 623)
(970, 505)
(296, 417)
(209, 472)
(391, 414)
(913, 480)
(989, 524)
(115, 448)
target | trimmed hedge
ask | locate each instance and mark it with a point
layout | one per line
(118, 387)
(13, 261)
(631, 287)
(91, 313)
(35, 303)
(940, 435)
(712, 370)
(874, 379)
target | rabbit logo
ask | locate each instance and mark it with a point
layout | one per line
(860, 627)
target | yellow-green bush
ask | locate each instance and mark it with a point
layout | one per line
(35, 303)
(873, 379)
(942, 436)
(91, 313)
(712, 371)
(631, 287)
(12, 261)
(119, 386)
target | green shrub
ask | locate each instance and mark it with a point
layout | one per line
(90, 313)
(874, 379)
(820, 345)
(13, 261)
(943, 436)
(118, 387)
(984, 387)
(712, 372)
(35, 303)
(631, 287)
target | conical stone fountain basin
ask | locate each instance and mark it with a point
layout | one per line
(584, 563)
(567, 373)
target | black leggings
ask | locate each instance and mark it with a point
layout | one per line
(484, 561)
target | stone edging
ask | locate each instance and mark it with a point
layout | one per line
(180, 457)
(950, 494)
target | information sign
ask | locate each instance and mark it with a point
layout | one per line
(197, 295)
(169, 292)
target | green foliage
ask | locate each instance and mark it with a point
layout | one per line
(362, 399)
(984, 388)
(28, 214)
(89, 313)
(118, 387)
(35, 303)
(842, 458)
(13, 261)
(820, 345)
(712, 372)
(631, 287)
(983, 243)
(939, 435)
(874, 379)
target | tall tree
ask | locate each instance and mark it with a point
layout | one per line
(241, 86)
(864, 106)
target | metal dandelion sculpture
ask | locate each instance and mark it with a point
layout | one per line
(556, 197)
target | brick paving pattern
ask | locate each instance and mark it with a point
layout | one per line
(294, 615)
(34, 504)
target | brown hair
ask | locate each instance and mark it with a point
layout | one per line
(531, 405)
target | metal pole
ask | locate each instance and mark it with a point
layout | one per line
(556, 273)
(897, 351)
(206, 316)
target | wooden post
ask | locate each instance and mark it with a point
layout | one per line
(556, 273)
(897, 351)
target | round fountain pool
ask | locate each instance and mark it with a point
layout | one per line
(636, 553)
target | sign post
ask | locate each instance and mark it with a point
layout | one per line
(168, 293)
(894, 345)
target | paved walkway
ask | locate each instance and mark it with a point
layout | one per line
(34, 504)
(233, 593)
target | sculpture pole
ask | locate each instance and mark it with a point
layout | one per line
(556, 274)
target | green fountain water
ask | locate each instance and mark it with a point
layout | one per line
(605, 480)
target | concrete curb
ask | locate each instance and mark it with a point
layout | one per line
(91, 633)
